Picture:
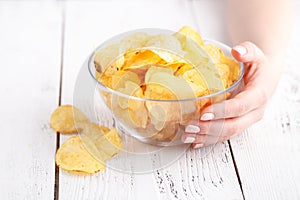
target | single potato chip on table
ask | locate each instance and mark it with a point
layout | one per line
(66, 119)
(73, 157)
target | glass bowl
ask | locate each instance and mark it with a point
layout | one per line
(175, 114)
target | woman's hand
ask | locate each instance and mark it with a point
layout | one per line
(223, 120)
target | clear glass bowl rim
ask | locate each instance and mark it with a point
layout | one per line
(107, 89)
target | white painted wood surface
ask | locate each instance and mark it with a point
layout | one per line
(267, 154)
(30, 41)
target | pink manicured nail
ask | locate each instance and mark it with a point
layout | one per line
(240, 49)
(207, 116)
(198, 146)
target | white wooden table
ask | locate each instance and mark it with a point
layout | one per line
(42, 47)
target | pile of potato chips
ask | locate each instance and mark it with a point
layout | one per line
(85, 153)
(158, 74)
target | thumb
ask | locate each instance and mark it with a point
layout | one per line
(247, 52)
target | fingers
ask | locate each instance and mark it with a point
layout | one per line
(222, 120)
(246, 101)
(204, 140)
(248, 52)
(209, 140)
(254, 94)
(230, 127)
(221, 130)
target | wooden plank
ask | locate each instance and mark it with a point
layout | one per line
(267, 154)
(30, 41)
(199, 174)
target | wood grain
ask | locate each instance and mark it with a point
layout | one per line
(29, 62)
(199, 174)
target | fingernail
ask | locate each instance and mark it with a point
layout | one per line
(189, 139)
(240, 49)
(198, 146)
(207, 116)
(192, 129)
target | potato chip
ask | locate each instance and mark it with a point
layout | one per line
(100, 142)
(157, 111)
(134, 41)
(148, 131)
(158, 137)
(73, 157)
(167, 133)
(192, 44)
(158, 124)
(187, 108)
(196, 81)
(162, 112)
(202, 103)
(106, 57)
(119, 79)
(141, 73)
(224, 73)
(187, 118)
(106, 96)
(198, 89)
(131, 89)
(195, 54)
(158, 115)
(91, 147)
(139, 117)
(161, 83)
(66, 119)
(165, 42)
(176, 66)
(214, 52)
(111, 143)
(188, 32)
(110, 69)
(155, 69)
(175, 84)
(182, 69)
(136, 108)
(212, 78)
(104, 129)
(90, 135)
(111, 58)
(93, 131)
(169, 56)
(233, 68)
(122, 115)
(158, 92)
(105, 80)
(137, 59)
